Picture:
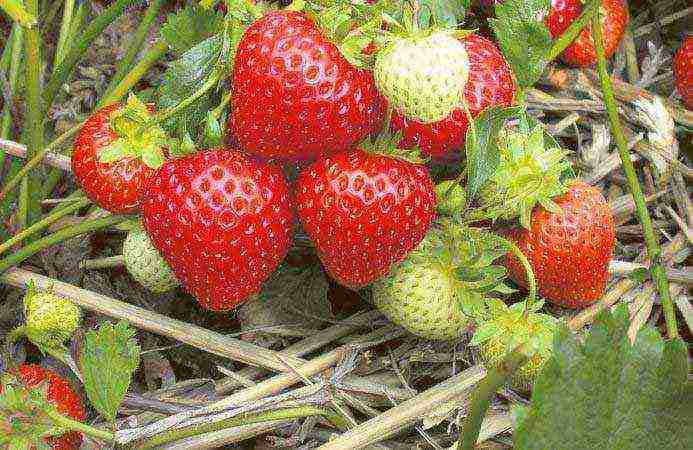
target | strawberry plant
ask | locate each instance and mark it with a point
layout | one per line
(333, 223)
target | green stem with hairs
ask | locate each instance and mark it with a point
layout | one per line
(155, 52)
(654, 252)
(246, 419)
(18, 13)
(135, 44)
(44, 223)
(59, 236)
(36, 160)
(76, 52)
(14, 54)
(531, 280)
(564, 40)
(65, 27)
(484, 393)
(29, 206)
(73, 425)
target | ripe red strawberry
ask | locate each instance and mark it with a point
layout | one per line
(364, 212)
(490, 83)
(581, 53)
(222, 220)
(683, 71)
(113, 159)
(569, 251)
(59, 394)
(295, 96)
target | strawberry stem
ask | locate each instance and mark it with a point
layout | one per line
(654, 251)
(209, 84)
(57, 237)
(278, 414)
(73, 425)
(481, 398)
(531, 280)
(49, 219)
(36, 160)
(135, 44)
(564, 40)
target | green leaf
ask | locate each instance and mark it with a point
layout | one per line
(114, 152)
(183, 77)
(190, 26)
(109, 358)
(485, 332)
(212, 131)
(483, 155)
(523, 37)
(605, 393)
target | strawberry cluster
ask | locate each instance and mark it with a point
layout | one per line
(354, 112)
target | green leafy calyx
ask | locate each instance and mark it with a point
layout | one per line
(528, 174)
(139, 136)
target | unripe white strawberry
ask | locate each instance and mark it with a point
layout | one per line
(423, 77)
(145, 264)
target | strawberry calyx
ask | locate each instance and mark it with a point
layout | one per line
(353, 28)
(451, 198)
(387, 144)
(529, 174)
(138, 136)
(505, 328)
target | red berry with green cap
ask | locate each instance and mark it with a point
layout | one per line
(364, 211)
(115, 153)
(296, 96)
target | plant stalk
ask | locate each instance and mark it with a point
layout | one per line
(36, 160)
(564, 40)
(246, 419)
(481, 398)
(73, 425)
(57, 237)
(65, 27)
(654, 252)
(29, 206)
(155, 52)
(75, 53)
(44, 223)
(135, 45)
(18, 13)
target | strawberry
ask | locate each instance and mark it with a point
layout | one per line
(581, 53)
(490, 83)
(423, 77)
(50, 319)
(222, 221)
(115, 153)
(295, 95)
(59, 394)
(441, 284)
(683, 71)
(569, 249)
(145, 264)
(364, 212)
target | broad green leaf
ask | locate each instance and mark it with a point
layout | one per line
(481, 146)
(605, 393)
(523, 37)
(109, 358)
(190, 26)
(184, 77)
(485, 332)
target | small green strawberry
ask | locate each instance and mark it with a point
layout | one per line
(423, 76)
(441, 285)
(50, 320)
(529, 173)
(510, 327)
(145, 264)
